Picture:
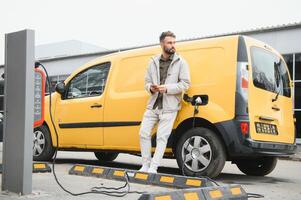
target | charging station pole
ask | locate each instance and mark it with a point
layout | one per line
(18, 112)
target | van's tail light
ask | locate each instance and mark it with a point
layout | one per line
(244, 128)
(242, 88)
(244, 77)
(244, 83)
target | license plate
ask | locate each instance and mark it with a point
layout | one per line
(266, 128)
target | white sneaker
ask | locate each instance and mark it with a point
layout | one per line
(144, 168)
(152, 170)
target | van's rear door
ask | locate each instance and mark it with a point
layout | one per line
(270, 99)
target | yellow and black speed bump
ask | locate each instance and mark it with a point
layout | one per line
(40, 168)
(180, 181)
(225, 192)
(116, 174)
(36, 168)
(140, 177)
(196, 188)
(164, 180)
(82, 170)
(206, 193)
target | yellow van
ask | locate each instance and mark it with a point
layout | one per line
(248, 118)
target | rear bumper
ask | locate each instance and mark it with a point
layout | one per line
(271, 148)
(238, 145)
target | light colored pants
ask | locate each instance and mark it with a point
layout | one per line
(165, 124)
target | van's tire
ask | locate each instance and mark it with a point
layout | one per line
(208, 161)
(105, 156)
(43, 149)
(257, 166)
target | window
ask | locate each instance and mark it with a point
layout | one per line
(90, 82)
(53, 81)
(289, 62)
(1, 96)
(297, 95)
(298, 123)
(62, 78)
(298, 66)
(269, 72)
(1, 103)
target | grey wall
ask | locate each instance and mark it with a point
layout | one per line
(66, 65)
(285, 41)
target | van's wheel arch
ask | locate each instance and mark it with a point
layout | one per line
(206, 161)
(105, 156)
(43, 149)
(260, 166)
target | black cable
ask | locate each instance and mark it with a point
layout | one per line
(110, 188)
(255, 196)
(94, 190)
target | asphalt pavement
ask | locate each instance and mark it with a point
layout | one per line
(283, 183)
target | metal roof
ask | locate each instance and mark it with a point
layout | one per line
(243, 32)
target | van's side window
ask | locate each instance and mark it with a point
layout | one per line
(90, 82)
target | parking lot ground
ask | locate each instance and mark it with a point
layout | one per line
(283, 183)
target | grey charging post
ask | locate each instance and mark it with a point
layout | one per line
(18, 112)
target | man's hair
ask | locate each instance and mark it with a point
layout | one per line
(166, 34)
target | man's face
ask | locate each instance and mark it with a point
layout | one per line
(168, 45)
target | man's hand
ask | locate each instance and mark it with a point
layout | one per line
(162, 89)
(154, 88)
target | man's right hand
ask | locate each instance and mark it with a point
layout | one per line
(154, 88)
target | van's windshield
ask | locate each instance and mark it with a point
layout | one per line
(269, 72)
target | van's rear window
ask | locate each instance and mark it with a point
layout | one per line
(270, 72)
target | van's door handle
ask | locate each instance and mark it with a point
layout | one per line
(96, 105)
(275, 108)
(264, 118)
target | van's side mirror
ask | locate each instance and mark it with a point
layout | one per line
(200, 100)
(60, 88)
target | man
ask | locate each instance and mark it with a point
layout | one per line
(167, 77)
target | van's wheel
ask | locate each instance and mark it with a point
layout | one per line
(42, 145)
(202, 153)
(257, 166)
(106, 156)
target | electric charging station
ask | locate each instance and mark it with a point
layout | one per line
(39, 94)
(23, 110)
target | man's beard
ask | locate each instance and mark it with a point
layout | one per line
(169, 50)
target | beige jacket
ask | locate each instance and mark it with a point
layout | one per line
(177, 82)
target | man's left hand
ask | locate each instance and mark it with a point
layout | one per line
(162, 89)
